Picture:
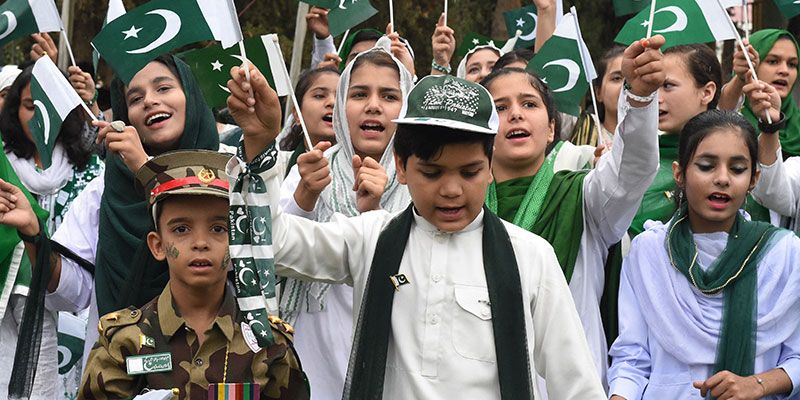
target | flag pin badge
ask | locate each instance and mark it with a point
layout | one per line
(146, 341)
(399, 280)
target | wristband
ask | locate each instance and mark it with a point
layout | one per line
(31, 239)
(445, 70)
(773, 127)
(93, 100)
(626, 89)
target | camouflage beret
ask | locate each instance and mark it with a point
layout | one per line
(183, 172)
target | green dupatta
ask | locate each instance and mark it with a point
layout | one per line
(126, 272)
(733, 273)
(763, 41)
(559, 220)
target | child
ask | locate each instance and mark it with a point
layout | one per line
(467, 321)
(581, 214)
(709, 300)
(195, 325)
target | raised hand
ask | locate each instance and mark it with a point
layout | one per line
(259, 116)
(16, 211)
(763, 98)
(443, 43)
(740, 66)
(315, 176)
(370, 182)
(330, 60)
(317, 20)
(399, 49)
(44, 44)
(643, 66)
(126, 144)
(83, 83)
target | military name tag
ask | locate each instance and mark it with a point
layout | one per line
(149, 364)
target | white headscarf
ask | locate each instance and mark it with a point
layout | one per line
(8, 75)
(461, 72)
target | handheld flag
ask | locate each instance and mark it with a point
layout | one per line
(560, 65)
(789, 8)
(115, 10)
(211, 66)
(53, 98)
(627, 7)
(525, 19)
(20, 18)
(129, 42)
(473, 40)
(349, 13)
(680, 22)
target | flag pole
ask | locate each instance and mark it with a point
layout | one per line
(391, 16)
(344, 39)
(652, 15)
(445, 12)
(291, 93)
(69, 48)
(744, 49)
(746, 20)
(600, 136)
(246, 67)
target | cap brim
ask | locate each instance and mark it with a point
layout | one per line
(445, 123)
(192, 191)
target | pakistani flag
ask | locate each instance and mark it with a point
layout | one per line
(345, 14)
(115, 10)
(20, 18)
(680, 22)
(473, 40)
(53, 98)
(789, 8)
(525, 19)
(211, 66)
(561, 66)
(71, 336)
(134, 39)
(627, 7)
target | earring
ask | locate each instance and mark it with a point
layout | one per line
(680, 200)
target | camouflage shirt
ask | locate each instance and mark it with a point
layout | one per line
(224, 355)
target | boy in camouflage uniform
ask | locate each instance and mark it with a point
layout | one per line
(193, 334)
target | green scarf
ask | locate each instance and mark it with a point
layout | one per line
(734, 272)
(763, 41)
(559, 221)
(126, 272)
(348, 45)
(367, 367)
(658, 203)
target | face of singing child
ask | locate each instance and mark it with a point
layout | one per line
(480, 64)
(193, 237)
(681, 97)
(318, 107)
(717, 179)
(374, 99)
(525, 129)
(157, 107)
(779, 67)
(449, 189)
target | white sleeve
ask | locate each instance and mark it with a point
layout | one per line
(78, 232)
(320, 47)
(614, 189)
(631, 364)
(288, 204)
(778, 186)
(561, 354)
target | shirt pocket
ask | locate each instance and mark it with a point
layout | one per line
(473, 336)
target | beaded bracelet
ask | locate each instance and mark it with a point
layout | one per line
(94, 99)
(445, 70)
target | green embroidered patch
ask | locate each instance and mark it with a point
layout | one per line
(149, 364)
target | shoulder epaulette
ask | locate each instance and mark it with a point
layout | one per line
(111, 322)
(280, 324)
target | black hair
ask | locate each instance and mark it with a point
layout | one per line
(118, 86)
(307, 78)
(702, 64)
(708, 122)
(544, 91)
(602, 68)
(17, 141)
(364, 36)
(524, 55)
(427, 142)
(470, 54)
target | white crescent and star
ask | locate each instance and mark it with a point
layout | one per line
(132, 33)
(170, 31)
(241, 274)
(263, 222)
(573, 69)
(679, 25)
(45, 119)
(217, 66)
(239, 220)
(12, 24)
(532, 34)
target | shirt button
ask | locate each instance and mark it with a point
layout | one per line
(436, 278)
(434, 319)
(485, 312)
(198, 362)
